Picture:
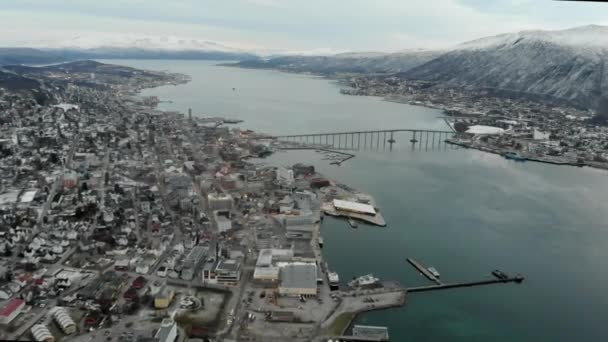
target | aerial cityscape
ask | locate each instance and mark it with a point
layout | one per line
(205, 179)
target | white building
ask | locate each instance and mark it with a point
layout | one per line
(65, 322)
(167, 331)
(285, 175)
(41, 333)
(540, 135)
(221, 202)
(223, 223)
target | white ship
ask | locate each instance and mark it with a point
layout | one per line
(334, 280)
(434, 272)
(366, 280)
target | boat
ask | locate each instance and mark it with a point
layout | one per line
(320, 241)
(391, 141)
(500, 274)
(413, 140)
(334, 281)
(364, 281)
(434, 272)
(231, 121)
(514, 156)
(353, 223)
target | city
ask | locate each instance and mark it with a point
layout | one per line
(122, 219)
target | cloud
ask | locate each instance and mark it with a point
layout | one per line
(295, 24)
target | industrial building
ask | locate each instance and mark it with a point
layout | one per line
(298, 279)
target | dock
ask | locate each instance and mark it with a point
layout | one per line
(424, 271)
(517, 279)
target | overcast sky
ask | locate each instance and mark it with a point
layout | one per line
(340, 25)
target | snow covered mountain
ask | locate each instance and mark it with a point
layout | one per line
(134, 41)
(567, 65)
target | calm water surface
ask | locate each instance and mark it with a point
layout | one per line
(464, 212)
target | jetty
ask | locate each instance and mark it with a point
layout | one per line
(424, 271)
(517, 279)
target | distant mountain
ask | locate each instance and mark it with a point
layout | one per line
(566, 66)
(145, 53)
(27, 56)
(370, 62)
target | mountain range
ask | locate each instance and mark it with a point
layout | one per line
(566, 65)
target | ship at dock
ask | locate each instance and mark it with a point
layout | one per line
(334, 281)
(367, 280)
(514, 156)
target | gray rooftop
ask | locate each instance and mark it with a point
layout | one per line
(299, 276)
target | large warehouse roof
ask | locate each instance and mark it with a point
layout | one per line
(354, 207)
(299, 276)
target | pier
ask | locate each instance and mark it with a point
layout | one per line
(424, 271)
(517, 279)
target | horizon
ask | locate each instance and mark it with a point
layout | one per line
(295, 27)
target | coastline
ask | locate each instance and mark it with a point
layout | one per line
(401, 100)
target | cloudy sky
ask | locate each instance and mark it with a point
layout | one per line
(322, 25)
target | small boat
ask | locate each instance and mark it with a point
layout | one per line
(434, 272)
(353, 223)
(413, 140)
(514, 156)
(391, 141)
(320, 241)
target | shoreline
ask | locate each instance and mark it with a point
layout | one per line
(399, 99)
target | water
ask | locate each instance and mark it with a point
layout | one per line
(464, 212)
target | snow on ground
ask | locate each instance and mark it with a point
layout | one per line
(480, 129)
(67, 106)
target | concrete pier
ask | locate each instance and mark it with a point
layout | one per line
(424, 271)
(517, 279)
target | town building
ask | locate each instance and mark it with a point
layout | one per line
(11, 310)
(167, 331)
(298, 279)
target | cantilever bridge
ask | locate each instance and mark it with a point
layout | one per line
(372, 140)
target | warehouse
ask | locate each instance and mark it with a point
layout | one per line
(298, 279)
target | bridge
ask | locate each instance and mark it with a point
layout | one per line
(372, 140)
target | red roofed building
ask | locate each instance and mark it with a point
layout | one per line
(11, 310)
